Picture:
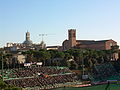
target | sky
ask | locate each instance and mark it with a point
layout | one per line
(92, 19)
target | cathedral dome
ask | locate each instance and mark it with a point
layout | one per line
(28, 42)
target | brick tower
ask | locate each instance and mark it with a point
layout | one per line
(72, 37)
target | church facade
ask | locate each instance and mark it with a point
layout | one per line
(86, 44)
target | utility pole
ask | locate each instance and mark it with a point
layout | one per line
(83, 64)
(2, 67)
(2, 52)
(84, 76)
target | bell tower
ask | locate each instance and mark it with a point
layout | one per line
(27, 36)
(72, 37)
(27, 41)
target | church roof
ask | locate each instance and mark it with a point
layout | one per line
(28, 42)
(91, 41)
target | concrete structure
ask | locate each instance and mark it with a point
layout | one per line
(52, 47)
(42, 45)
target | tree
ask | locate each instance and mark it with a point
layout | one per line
(42, 56)
(53, 53)
(4, 86)
(72, 65)
(67, 56)
(29, 55)
(59, 55)
(8, 60)
(114, 52)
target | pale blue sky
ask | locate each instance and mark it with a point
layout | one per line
(93, 19)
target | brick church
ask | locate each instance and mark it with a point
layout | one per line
(86, 44)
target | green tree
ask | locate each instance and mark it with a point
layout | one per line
(29, 55)
(53, 53)
(72, 65)
(59, 55)
(4, 86)
(114, 51)
(8, 58)
(42, 56)
(67, 56)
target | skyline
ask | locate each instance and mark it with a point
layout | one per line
(93, 20)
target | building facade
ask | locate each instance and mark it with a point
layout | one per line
(25, 46)
(86, 44)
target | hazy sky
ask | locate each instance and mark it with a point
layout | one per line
(93, 19)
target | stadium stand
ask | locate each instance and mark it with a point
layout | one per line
(53, 77)
(41, 81)
(32, 71)
(116, 66)
(104, 72)
(41, 77)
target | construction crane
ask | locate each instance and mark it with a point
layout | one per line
(42, 35)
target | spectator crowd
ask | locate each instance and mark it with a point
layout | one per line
(103, 71)
(39, 76)
(42, 81)
(29, 72)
